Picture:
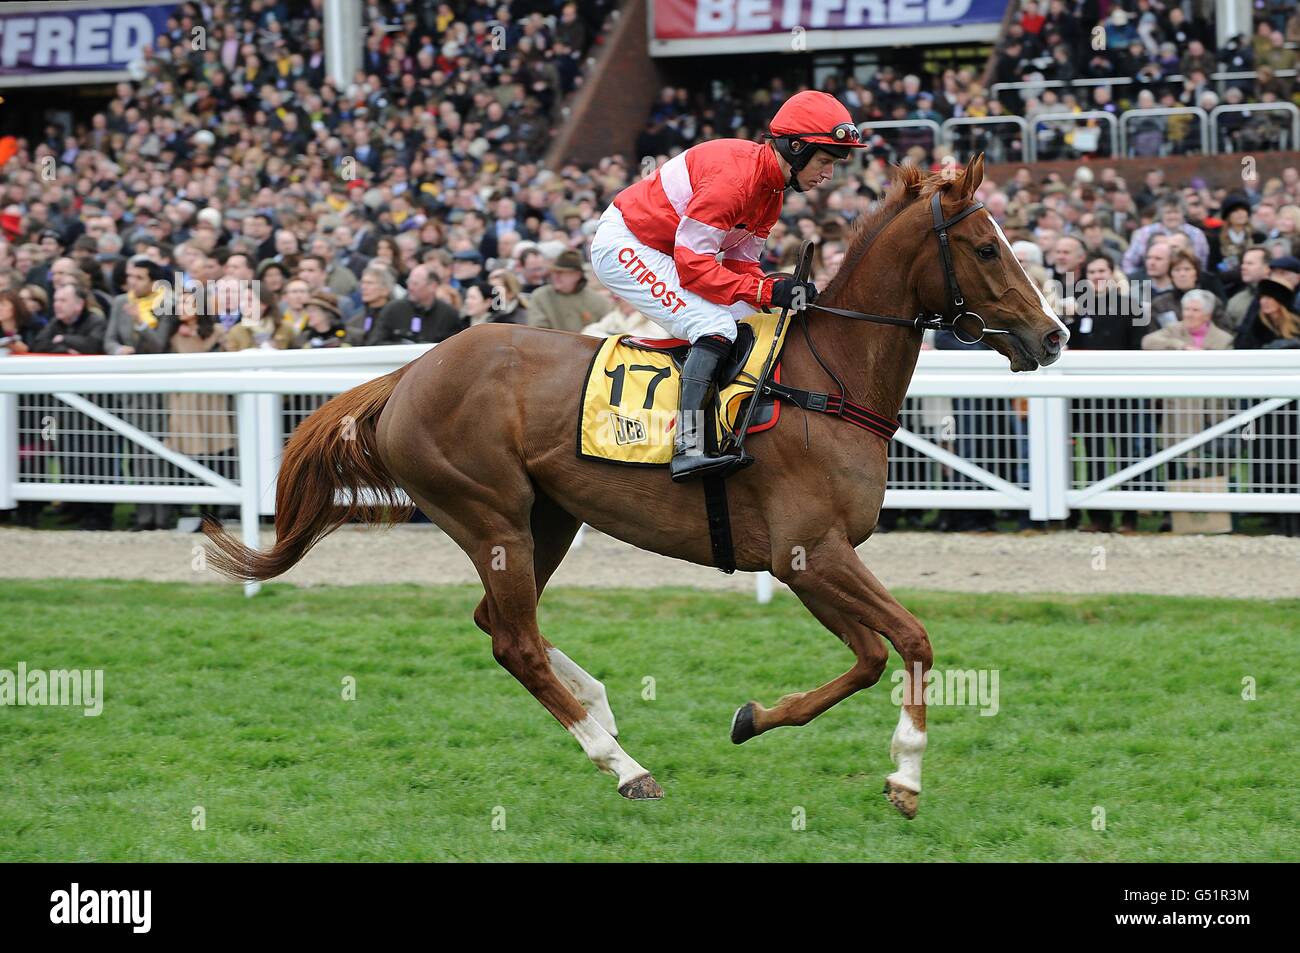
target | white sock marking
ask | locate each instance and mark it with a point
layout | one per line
(604, 751)
(905, 750)
(585, 688)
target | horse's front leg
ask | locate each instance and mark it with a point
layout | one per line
(852, 603)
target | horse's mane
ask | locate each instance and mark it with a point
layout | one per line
(908, 184)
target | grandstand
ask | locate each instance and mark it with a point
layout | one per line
(393, 172)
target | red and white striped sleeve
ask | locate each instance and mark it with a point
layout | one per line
(717, 203)
(741, 253)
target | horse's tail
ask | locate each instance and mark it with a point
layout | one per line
(334, 449)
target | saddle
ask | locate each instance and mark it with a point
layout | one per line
(629, 395)
(678, 348)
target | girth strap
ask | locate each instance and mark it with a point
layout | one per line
(837, 406)
(715, 503)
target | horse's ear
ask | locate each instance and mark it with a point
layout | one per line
(973, 177)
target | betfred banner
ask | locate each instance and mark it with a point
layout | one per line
(55, 44)
(692, 27)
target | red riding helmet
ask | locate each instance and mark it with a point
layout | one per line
(812, 118)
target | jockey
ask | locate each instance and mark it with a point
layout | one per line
(658, 245)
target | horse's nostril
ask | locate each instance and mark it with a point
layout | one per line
(1052, 341)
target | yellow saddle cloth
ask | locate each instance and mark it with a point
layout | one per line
(629, 396)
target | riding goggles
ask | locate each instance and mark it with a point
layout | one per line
(845, 132)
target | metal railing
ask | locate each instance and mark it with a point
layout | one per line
(950, 136)
(1072, 117)
(1224, 78)
(1115, 429)
(1221, 78)
(1219, 111)
(929, 125)
(996, 90)
(1195, 111)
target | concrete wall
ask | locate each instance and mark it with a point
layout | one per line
(611, 108)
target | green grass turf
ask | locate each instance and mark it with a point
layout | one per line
(1132, 704)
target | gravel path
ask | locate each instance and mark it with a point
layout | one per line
(1239, 566)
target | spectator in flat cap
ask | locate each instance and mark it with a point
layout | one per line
(1289, 264)
(567, 303)
(1286, 269)
(466, 268)
(325, 326)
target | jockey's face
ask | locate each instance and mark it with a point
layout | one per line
(818, 170)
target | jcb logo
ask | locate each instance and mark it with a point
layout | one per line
(628, 430)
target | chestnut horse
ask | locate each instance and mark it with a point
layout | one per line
(479, 433)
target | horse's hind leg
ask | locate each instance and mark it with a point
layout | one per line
(499, 541)
(553, 530)
(517, 645)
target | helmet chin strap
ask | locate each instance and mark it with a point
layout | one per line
(797, 159)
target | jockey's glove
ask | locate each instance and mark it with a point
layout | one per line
(789, 293)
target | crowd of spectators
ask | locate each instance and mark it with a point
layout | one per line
(1160, 53)
(279, 212)
(1167, 266)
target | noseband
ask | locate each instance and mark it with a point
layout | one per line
(956, 302)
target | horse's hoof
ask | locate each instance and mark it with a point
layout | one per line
(644, 788)
(902, 798)
(742, 724)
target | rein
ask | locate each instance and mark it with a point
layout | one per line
(956, 301)
(837, 404)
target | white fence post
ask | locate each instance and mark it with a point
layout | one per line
(763, 587)
(250, 489)
(1060, 458)
(1040, 439)
(8, 450)
(270, 445)
(1049, 457)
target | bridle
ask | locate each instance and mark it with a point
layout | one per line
(838, 404)
(956, 302)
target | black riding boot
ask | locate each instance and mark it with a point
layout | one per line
(690, 455)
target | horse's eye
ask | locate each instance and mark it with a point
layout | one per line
(988, 252)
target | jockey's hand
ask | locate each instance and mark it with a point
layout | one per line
(796, 295)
